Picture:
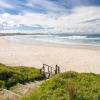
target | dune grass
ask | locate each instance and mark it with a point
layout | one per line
(68, 86)
(10, 76)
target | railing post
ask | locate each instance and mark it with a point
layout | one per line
(43, 71)
(48, 68)
(51, 70)
(47, 72)
(56, 69)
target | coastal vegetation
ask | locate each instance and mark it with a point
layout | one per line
(63, 86)
(10, 76)
(68, 86)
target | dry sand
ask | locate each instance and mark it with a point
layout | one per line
(75, 58)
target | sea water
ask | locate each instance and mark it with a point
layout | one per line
(62, 38)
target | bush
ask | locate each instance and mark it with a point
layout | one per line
(69, 86)
(2, 83)
(20, 74)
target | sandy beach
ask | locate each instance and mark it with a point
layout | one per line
(75, 58)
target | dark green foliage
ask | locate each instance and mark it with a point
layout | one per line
(2, 83)
(10, 76)
(69, 86)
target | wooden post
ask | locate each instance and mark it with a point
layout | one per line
(56, 69)
(43, 71)
(51, 70)
(48, 68)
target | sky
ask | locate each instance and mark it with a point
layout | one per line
(50, 16)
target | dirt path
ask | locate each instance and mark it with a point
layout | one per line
(18, 91)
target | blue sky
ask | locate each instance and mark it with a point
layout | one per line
(78, 16)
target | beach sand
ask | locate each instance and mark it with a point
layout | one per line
(74, 58)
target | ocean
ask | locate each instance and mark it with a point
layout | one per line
(86, 39)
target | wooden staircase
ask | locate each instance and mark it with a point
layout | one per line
(18, 91)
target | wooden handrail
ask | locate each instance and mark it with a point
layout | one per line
(46, 65)
(47, 73)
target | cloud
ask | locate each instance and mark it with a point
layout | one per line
(4, 4)
(31, 22)
(74, 22)
(51, 16)
(49, 6)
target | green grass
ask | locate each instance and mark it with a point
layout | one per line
(10, 76)
(68, 86)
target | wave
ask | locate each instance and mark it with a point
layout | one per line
(74, 37)
(56, 38)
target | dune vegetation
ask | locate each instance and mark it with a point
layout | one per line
(62, 86)
(68, 86)
(10, 76)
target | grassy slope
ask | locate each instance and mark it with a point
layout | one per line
(69, 86)
(10, 76)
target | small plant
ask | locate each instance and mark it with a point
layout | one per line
(72, 92)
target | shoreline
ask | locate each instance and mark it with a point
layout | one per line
(51, 44)
(75, 46)
(70, 57)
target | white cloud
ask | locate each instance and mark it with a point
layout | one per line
(47, 5)
(5, 4)
(75, 22)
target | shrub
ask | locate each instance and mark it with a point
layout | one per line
(2, 83)
(68, 86)
(19, 74)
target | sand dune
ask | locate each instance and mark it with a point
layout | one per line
(76, 58)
